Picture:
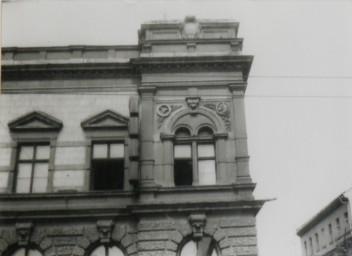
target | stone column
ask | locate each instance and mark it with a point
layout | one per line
(195, 164)
(168, 162)
(146, 136)
(240, 133)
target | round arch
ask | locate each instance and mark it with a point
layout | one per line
(201, 117)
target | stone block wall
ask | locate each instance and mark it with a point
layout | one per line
(158, 235)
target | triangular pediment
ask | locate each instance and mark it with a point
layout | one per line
(35, 121)
(105, 120)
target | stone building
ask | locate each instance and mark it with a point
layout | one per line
(128, 150)
(328, 233)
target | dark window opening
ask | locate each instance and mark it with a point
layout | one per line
(183, 172)
(108, 174)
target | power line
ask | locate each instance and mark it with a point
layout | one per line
(302, 77)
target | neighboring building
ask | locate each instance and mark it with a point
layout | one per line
(328, 233)
(128, 150)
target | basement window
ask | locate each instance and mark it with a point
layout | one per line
(107, 166)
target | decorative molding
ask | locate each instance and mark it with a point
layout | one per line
(35, 121)
(164, 111)
(105, 228)
(24, 232)
(197, 222)
(105, 120)
(223, 110)
(193, 102)
(190, 27)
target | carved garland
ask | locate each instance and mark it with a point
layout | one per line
(223, 110)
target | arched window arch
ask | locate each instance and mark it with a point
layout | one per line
(107, 250)
(191, 248)
(25, 251)
(194, 157)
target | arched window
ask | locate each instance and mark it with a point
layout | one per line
(191, 249)
(106, 250)
(194, 157)
(24, 251)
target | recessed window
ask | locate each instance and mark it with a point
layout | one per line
(330, 233)
(194, 152)
(32, 168)
(105, 250)
(317, 241)
(107, 167)
(183, 173)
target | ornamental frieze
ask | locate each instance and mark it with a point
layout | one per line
(223, 110)
(164, 111)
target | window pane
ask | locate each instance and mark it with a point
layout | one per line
(117, 150)
(206, 150)
(40, 178)
(26, 152)
(100, 251)
(42, 152)
(19, 252)
(114, 251)
(34, 253)
(24, 171)
(100, 151)
(189, 249)
(182, 151)
(207, 175)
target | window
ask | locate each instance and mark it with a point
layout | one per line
(32, 168)
(107, 167)
(338, 227)
(317, 241)
(26, 252)
(191, 249)
(311, 245)
(194, 157)
(105, 250)
(330, 233)
(305, 248)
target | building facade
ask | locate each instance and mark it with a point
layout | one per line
(128, 150)
(328, 233)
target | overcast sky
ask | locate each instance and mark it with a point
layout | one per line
(299, 96)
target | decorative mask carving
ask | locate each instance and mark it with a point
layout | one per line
(105, 228)
(24, 231)
(193, 102)
(223, 110)
(164, 111)
(197, 222)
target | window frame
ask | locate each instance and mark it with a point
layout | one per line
(32, 161)
(108, 142)
(194, 141)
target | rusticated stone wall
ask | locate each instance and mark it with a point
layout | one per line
(151, 236)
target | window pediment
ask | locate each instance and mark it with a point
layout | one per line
(35, 121)
(105, 120)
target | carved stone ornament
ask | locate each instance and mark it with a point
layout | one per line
(197, 222)
(193, 102)
(164, 111)
(223, 110)
(24, 232)
(191, 27)
(105, 228)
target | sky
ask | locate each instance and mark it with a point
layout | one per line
(298, 100)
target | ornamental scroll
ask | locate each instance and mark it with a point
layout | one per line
(164, 111)
(223, 110)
